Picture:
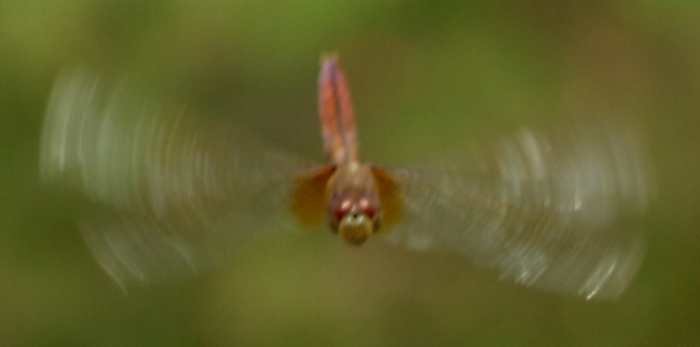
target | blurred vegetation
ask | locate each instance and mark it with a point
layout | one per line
(426, 77)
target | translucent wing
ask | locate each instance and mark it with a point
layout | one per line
(174, 192)
(558, 211)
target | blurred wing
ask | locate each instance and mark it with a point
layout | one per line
(174, 192)
(559, 211)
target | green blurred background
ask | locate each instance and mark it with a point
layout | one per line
(427, 78)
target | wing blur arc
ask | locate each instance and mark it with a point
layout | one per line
(174, 191)
(559, 211)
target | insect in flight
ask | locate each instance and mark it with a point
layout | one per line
(559, 210)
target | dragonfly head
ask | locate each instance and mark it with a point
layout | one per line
(354, 218)
(354, 210)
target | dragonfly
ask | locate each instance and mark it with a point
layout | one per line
(173, 193)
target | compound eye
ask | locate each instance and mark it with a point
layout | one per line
(338, 211)
(342, 209)
(367, 208)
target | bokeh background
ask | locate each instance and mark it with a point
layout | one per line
(426, 77)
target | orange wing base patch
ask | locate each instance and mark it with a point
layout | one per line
(309, 196)
(389, 197)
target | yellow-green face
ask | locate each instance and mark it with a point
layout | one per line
(355, 228)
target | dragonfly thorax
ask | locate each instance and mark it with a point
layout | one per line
(354, 209)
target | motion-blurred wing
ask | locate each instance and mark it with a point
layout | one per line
(559, 211)
(174, 192)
